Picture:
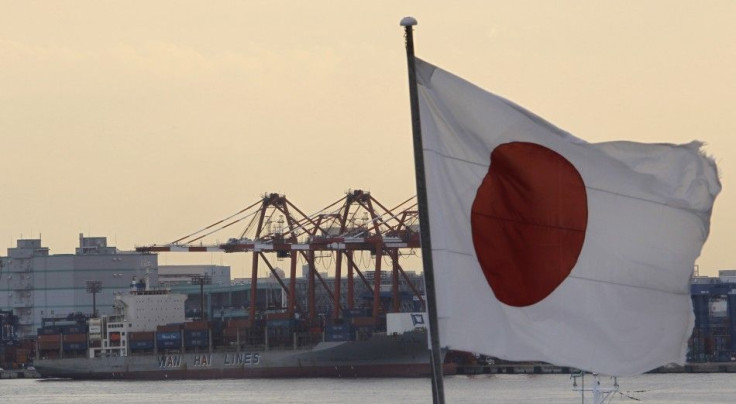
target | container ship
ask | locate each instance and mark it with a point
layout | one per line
(149, 338)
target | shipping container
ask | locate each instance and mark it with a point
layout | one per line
(7, 353)
(278, 316)
(168, 339)
(74, 346)
(197, 325)
(75, 337)
(74, 329)
(169, 344)
(349, 313)
(50, 354)
(280, 323)
(363, 321)
(141, 344)
(47, 338)
(233, 332)
(196, 334)
(22, 355)
(340, 332)
(141, 336)
(49, 346)
(49, 330)
(196, 338)
(196, 342)
(168, 335)
(168, 328)
(238, 323)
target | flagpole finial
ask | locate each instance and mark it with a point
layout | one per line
(408, 21)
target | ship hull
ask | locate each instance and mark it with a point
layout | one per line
(381, 356)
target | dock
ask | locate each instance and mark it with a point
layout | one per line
(544, 368)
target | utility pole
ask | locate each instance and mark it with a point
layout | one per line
(201, 280)
(94, 287)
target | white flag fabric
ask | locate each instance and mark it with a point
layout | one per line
(548, 248)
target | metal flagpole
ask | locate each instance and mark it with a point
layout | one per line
(438, 389)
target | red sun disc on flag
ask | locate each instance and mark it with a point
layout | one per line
(528, 221)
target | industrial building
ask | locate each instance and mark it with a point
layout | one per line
(35, 284)
(714, 334)
(229, 301)
(169, 275)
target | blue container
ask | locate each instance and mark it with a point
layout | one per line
(74, 329)
(50, 330)
(340, 332)
(196, 334)
(280, 323)
(350, 313)
(169, 344)
(74, 346)
(141, 344)
(171, 339)
(196, 343)
(196, 338)
(168, 336)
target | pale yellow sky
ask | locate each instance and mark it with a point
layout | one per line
(143, 121)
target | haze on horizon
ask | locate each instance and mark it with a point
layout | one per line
(146, 121)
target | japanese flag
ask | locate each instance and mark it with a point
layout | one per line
(549, 248)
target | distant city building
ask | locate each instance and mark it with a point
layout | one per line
(229, 301)
(169, 275)
(35, 284)
(714, 302)
(222, 301)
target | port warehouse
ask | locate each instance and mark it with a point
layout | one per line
(35, 285)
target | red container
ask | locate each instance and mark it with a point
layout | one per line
(75, 337)
(55, 338)
(141, 336)
(233, 332)
(200, 325)
(22, 355)
(49, 346)
(168, 328)
(363, 321)
(50, 354)
(238, 323)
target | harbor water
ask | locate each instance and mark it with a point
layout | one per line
(653, 388)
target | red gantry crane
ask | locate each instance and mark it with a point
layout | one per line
(355, 223)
